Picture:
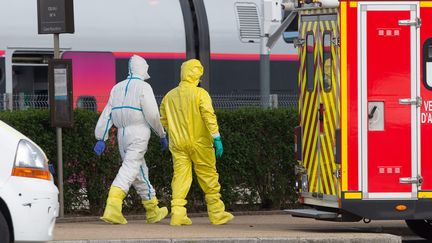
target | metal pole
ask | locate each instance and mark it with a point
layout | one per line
(265, 73)
(59, 140)
(10, 101)
(56, 46)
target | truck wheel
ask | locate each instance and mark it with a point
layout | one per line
(4, 229)
(422, 228)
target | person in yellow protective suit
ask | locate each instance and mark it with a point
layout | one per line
(187, 114)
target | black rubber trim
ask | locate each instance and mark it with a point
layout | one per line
(189, 29)
(203, 41)
(310, 63)
(328, 54)
(426, 59)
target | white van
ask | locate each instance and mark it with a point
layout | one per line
(28, 197)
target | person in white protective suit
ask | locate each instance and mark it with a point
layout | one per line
(132, 108)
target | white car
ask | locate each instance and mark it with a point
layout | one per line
(28, 197)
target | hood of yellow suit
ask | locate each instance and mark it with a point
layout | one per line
(191, 72)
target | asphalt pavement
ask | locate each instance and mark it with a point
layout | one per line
(272, 227)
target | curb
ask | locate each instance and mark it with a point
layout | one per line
(78, 219)
(383, 238)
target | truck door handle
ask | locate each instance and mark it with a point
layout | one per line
(408, 22)
(371, 115)
(408, 101)
(411, 180)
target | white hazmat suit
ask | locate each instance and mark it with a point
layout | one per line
(132, 108)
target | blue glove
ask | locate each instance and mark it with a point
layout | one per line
(218, 146)
(164, 143)
(99, 147)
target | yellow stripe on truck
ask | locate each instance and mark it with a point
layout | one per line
(344, 99)
(353, 4)
(424, 195)
(426, 4)
(352, 195)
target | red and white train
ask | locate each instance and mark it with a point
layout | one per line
(224, 35)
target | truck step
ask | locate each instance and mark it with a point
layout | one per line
(312, 213)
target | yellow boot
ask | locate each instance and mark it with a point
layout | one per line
(154, 214)
(216, 210)
(113, 209)
(178, 213)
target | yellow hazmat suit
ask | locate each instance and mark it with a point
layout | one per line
(188, 115)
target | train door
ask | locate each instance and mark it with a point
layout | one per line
(319, 104)
(389, 100)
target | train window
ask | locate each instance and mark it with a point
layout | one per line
(327, 62)
(310, 65)
(291, 32)
(427, 63)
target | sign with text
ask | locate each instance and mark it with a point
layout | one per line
(55, 16)
(60, 92)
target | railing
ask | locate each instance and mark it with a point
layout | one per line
(220, 101)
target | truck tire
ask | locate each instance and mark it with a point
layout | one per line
(422, 228)
(4, 229)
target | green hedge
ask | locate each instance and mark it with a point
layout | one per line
(256, 170)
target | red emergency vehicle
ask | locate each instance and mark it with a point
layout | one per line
(364, 140)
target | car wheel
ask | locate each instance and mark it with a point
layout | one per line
(422, 228)
(4, 229)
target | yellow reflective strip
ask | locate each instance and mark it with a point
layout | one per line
(326, 160)
(321, 187)
(325, 165)
(344, 99)
(328, 130)
(424, 194)
(352, 195)
(353, 4)
(314, 111)
(307, 113)
(424, 4)
(308, 130)
(306, 98)
(312, 170)
(335, 78)
(327, 25)
(302, 76)
(311, 176)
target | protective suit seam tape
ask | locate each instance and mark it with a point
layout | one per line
(106, 127)
(147, 182)
(126, 107)
(127, 85)
(133, 77)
